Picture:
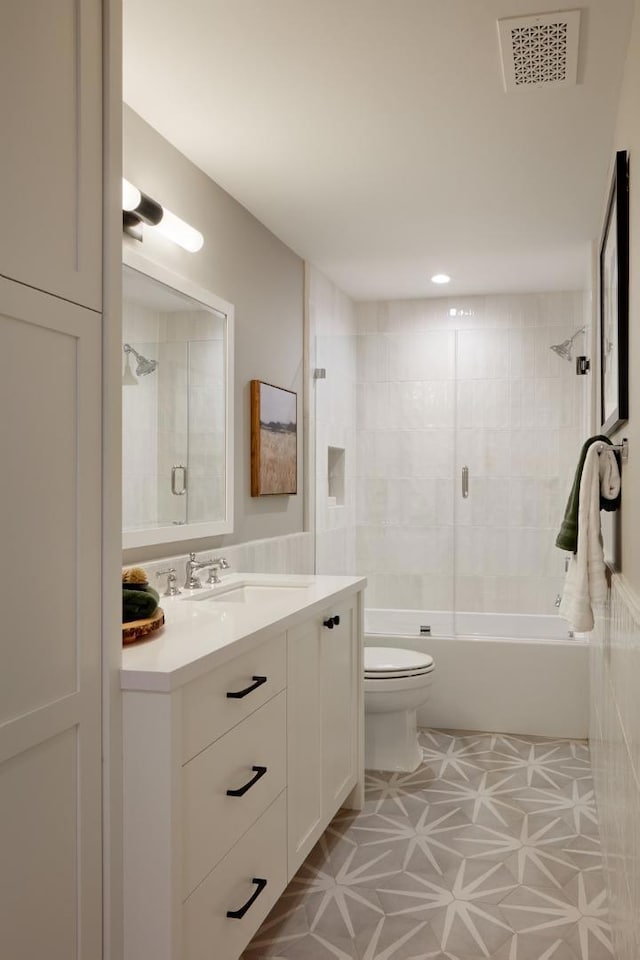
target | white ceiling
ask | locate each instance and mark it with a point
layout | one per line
(375, 138)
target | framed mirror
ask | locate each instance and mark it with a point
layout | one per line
(177, 407)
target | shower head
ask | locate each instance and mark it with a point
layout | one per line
(564, 349)
(144, 366)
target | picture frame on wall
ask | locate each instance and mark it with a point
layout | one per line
(613, 296)
(274, 440)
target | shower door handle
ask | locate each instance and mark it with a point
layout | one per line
(465, 482)
(179, 480)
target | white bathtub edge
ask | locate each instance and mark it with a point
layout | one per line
(520, 686)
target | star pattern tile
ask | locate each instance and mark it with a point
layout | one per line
(429, 838)
(489, 849)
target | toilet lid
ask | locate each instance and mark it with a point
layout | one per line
(388, 662)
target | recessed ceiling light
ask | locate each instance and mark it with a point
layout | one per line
(440, 278)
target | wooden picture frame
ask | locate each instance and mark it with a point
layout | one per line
(274, 440)
(613, 290)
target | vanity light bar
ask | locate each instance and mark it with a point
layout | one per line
(139, 208)
(180, 232)
(131, 196)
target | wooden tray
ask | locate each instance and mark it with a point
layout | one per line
(139, 629)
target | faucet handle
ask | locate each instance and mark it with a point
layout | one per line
(172, 582)
(218, 563)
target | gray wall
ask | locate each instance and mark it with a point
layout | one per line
(244, 263)
(615, 645)
(628, 138)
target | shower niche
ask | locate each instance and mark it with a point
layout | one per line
(335, 474)
(177, 396)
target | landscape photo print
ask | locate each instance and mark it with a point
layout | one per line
(274, 440)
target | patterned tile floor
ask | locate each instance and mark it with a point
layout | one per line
(490, 849)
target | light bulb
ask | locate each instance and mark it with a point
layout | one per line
(131, 196)
(440, 278)
(180, 232)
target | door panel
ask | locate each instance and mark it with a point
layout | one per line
(339, 702)
(38, 827)
(38, 372)
(51, 158)
(519, 428)
(304, 745)
(50, 682)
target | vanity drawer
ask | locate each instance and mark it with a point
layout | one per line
(259, 741)
(259, 855)
(207, 711)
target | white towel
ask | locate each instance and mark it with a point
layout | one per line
(609, 473)
(586, 582)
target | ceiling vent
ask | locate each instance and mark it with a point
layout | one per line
(540, 50)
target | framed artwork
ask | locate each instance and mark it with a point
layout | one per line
(614, 302)
(274, 440)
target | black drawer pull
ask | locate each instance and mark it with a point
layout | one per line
(254, 686)
(336, 620)
(239, 914)
(328, 623)
(240, 792)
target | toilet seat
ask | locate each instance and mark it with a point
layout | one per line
(389, 663)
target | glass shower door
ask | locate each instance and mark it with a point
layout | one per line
(411, 401)
(520, 421)
(483, 558)
(333, 386)
(173, 475)
(396, 525)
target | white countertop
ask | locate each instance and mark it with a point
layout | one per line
(199, 634)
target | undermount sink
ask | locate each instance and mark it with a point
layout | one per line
(248, 592)
(255, 594)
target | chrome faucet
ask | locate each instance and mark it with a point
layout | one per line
(192, 581)
(214, 564)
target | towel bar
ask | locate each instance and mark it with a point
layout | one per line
(622, 448)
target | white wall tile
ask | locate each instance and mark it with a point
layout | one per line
(421, 356)
(614, 735)
(482, 354)
(487, 453)
(481, 551)
(488, 504)
(521, 352)
(393, 590)
(518, 411)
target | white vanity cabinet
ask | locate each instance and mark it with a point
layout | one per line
(232, 773)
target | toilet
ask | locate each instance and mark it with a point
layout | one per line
(396, 683)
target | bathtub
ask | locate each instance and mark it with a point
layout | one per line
(509, 673)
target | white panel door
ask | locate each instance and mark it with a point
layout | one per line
(51, 156)
(50, 711)
(304, 746)
(339, 705)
